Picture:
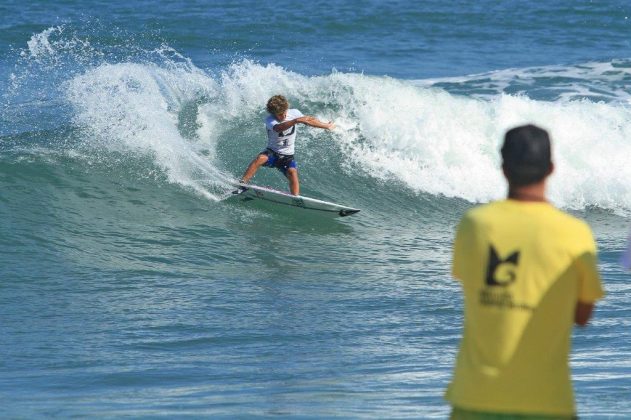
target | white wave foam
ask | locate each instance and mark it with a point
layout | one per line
(439, 143)
(431, 140)
(444, 144)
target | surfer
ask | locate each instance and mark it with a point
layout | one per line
(528, 271)
(281, 135)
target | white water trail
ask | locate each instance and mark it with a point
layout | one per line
(133, 108)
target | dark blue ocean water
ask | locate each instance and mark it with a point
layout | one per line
(129, 285)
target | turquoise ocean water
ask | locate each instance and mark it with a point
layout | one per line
(129, 287)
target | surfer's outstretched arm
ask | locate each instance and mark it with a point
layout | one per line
(307, 120)
(314, 122)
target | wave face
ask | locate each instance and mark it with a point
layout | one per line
(439, 137)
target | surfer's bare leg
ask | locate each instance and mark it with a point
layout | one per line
(294, 184)
(254, 166)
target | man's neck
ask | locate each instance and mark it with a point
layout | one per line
(532, 192)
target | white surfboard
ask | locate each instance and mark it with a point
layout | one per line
(254, 192)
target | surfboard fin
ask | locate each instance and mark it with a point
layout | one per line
(239, 190)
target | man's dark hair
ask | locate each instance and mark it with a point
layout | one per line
(526, 155)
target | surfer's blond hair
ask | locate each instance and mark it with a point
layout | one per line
(277, 104)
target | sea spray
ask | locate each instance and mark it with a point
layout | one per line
(134, 108)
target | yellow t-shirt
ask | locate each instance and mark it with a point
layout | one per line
(523, 267)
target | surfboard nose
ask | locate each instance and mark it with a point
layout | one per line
(347, 212)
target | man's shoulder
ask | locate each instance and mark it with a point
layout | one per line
(541, 214)
(270, 121)
(574, 229)
(564, 220)
(483, 211)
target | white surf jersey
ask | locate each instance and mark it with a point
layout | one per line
(283, 142)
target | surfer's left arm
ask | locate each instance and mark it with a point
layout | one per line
(314, 122)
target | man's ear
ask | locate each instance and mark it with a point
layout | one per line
(551, 170)
(504, 171)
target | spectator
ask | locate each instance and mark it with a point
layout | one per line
(528, 272)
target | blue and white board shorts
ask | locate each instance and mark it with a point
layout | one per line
(278, 161)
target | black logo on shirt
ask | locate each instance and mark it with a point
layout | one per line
(285, 133)
(501, 272)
